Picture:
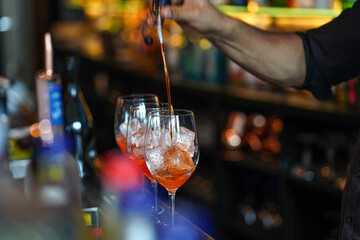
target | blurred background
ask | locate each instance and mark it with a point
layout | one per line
(273, 161)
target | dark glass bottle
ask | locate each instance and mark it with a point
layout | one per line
(79, 124)
(4, 128)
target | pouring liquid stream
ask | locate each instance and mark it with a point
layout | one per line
(167, 78)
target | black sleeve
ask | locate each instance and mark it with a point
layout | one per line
(332, 53)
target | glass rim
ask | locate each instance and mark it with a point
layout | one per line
(146, 104)
(139, 106)
(176, 112)
(133, 96)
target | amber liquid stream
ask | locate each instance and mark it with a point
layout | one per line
(177, 177)
(167, 78)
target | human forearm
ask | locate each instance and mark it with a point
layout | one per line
(278, 58)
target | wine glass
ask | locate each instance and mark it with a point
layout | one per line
(123, 105)
(171, 149)
(136, 138)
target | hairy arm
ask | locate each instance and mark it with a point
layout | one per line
(278, 58)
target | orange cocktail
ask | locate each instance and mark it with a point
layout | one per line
(173, 175)
(139, 160)
(173, 180)
(121, 142)
(171, 149)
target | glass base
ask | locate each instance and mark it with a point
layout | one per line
(151, 211)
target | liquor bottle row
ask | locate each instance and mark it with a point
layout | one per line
(46, 203)
(323, 4)
(258, 205)
(347, 94)
(255, 135)
(324, 156)
(62, 109)
(261, 208)
(316, 155)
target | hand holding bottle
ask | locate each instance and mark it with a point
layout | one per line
(198, 18)
(154, 22)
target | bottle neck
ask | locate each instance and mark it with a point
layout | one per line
(72, 89)
(72, 75)
(4, 157)
(3, 109)
(72, 83)
(4, 85)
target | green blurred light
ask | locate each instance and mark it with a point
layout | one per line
(282, 11)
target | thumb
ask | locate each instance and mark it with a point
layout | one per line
(177, 13)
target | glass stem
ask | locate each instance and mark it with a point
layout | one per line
(143, 182)
(155, 188)
(172, 206)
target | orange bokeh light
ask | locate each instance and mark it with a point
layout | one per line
(35, 130)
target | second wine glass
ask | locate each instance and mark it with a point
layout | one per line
(123, 105)
(136, 139)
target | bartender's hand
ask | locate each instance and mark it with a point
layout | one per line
(198, 18)
(278, 58)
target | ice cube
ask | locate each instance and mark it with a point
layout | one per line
(135, 126)
(137, 140)
(165, 138)
(191, 149)
(136, 133)
(138, 151)
(177, 160)
(159, 138)
(155, 158)
(184, 139)
(123, 128)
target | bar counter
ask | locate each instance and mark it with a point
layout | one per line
(99, 217)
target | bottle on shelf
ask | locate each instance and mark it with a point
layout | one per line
(305, 168)
(80, 131)
(269, 213)
(52, 147)
(234, 131)
(271, 145)
(247, 208)
(255, 130)
(49, 92)
(79, 123)
(4, 127)
(329, 145)
(53, 182)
